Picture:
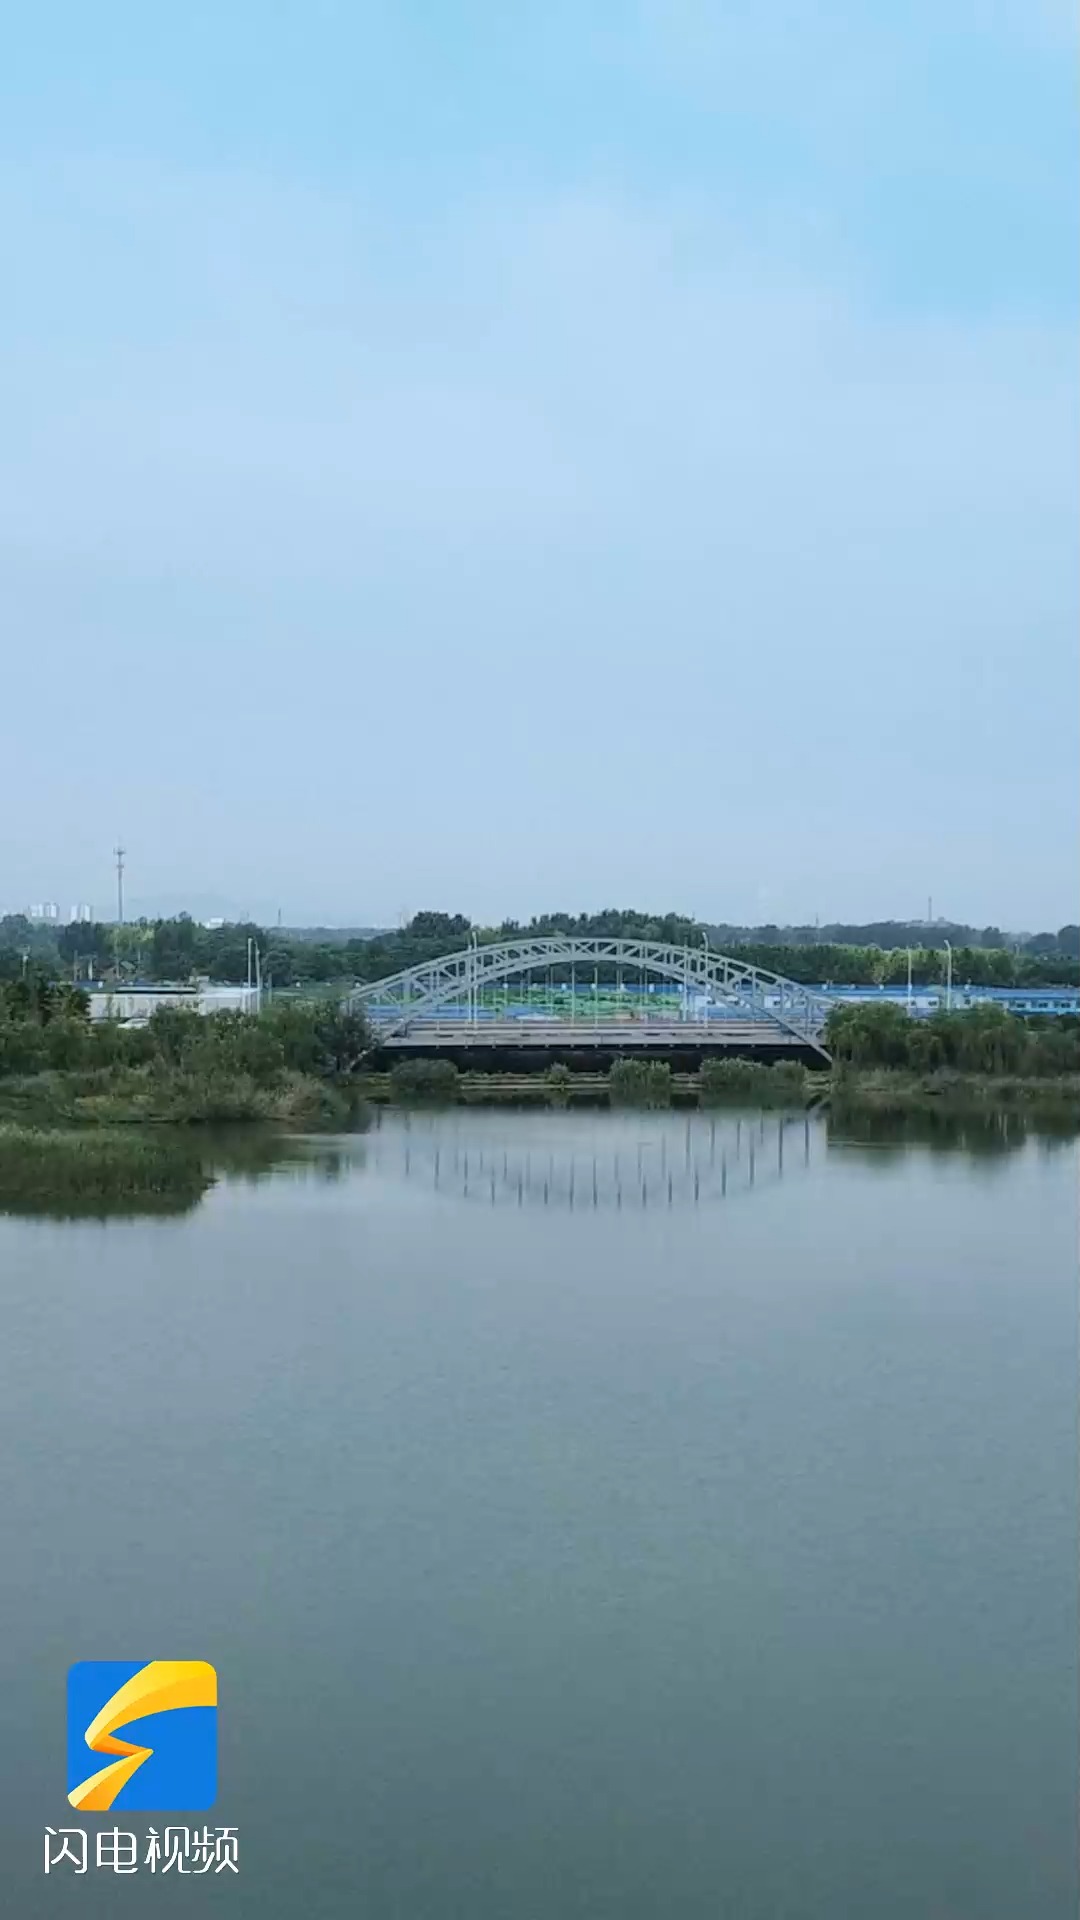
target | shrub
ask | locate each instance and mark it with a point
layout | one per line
(782, 1083)
(626, 1080)
(1056, 1050)
(640, 1082)
(189, 1099)
(658, 1083)
(558, 1080)
(22, 1047)
(69, 1043)
(424, 1080)
(306, 1102)
(720, 1079)
(112, 1045)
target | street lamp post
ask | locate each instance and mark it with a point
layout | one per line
(909, 979)
(705, 976)
(948, 976)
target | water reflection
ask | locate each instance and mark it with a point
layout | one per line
(194, 1161)
(581, 1160)
(975, 1130)
(175, 1204)
(613, 1162)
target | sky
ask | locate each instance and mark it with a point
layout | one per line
(504, 459)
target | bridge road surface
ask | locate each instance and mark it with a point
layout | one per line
(609, 1036)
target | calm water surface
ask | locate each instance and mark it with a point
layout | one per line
(588, 1515)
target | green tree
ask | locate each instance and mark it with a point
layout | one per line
(176, 948)
(329, 1041)
(869, 1036)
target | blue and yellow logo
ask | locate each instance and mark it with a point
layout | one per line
(167, 1760)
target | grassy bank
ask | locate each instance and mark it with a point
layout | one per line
(898, 1089)
(734, 1082)
(158, 1096)
(154, 1097)
(70, 1173)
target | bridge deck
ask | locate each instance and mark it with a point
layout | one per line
(532, 1037)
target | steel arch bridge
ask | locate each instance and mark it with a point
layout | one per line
(397, 1005)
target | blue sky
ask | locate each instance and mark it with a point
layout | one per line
(511, 457)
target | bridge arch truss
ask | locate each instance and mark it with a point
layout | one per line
(397, 1003)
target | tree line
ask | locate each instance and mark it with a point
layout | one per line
(45, 1026)
(180, 949)
(976, 1040)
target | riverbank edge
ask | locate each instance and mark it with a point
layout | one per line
(301, 1103)
(893, 1088)
(139, 1098)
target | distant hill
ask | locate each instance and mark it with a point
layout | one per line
(328, 936)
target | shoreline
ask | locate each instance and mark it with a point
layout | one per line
(869, 1086)
(139, 1149)
(136, 1099)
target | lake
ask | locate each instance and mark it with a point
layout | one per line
(615, 1515)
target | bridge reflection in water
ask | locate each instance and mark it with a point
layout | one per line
(654, 1160)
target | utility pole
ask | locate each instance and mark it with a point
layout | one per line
(474, 968)
(118, 941)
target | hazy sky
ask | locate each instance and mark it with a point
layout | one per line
(498, 457)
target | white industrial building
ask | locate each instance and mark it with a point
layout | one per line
(132, 1006)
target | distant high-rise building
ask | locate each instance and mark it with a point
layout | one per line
(47, 910)
(81, 914)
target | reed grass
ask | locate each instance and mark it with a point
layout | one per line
(65, 1172)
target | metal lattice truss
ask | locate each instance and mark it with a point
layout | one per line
(418, 993)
